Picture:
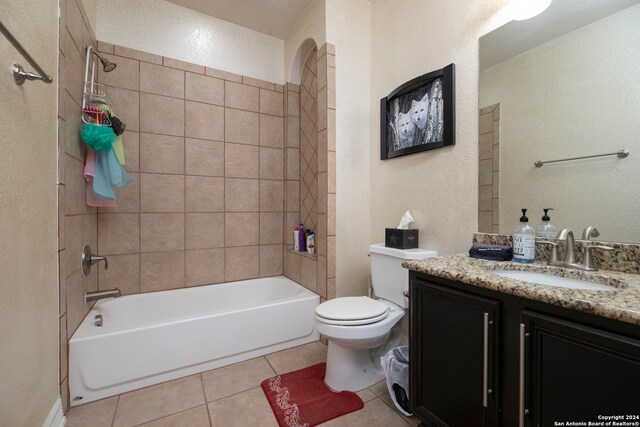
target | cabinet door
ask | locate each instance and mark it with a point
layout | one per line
(453, 351)
(577, 373)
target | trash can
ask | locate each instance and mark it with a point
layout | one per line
(396, 368)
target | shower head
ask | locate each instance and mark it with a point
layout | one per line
(107, 65)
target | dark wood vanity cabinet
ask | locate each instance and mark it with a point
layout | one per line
(483, 358)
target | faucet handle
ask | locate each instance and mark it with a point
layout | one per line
(553, 257)
(88, 259)
(587, 262)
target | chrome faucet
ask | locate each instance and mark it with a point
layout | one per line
(590, 232)
(96, 295)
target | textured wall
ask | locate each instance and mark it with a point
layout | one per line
(174, 31)
(438, 186)
(582, 97)
(28, 229)
(205, 148)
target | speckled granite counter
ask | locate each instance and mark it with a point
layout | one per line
(623, 304)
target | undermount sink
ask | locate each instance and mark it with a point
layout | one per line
(551, 280)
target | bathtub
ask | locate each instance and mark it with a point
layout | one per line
(150, 338)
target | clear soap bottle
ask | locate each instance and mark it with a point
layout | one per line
(524, 241)
(546, 229)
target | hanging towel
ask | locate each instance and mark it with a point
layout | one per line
(119, 149)
(89, 171)
(108, 175)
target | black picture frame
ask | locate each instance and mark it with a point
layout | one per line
(419, 115)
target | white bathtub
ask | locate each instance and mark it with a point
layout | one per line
(154, 337)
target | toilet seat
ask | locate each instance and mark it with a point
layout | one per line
(351, 311)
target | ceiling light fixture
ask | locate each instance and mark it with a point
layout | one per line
(531, 8)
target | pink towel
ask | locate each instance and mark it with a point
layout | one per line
(89, 168)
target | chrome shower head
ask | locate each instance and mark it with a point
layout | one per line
(107, 65)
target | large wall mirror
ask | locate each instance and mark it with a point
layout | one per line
(563, 84)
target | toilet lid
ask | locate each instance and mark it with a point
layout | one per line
(352, 309)
(357, 322)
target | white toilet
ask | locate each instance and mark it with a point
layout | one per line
(356, 326)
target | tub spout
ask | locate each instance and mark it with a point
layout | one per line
(96, 295)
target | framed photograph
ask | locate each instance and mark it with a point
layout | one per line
(419, 115)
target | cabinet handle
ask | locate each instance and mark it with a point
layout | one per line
(485, 362)
(521, 390)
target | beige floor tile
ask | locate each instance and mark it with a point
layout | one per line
(366, 395)
(249, 408)
(298, 357)
(95, 414)
(159, 401)
(196, 417)
(374, 414)
(380, 388)
(233, 379)
(409, 420)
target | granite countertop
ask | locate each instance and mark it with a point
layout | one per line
(623, 304)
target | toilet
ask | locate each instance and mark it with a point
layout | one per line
(358, 327)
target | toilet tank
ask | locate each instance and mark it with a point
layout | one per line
(388, 277)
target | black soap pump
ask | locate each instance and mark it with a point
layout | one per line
(524, 241)
(546, 229)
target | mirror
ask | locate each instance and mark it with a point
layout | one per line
(563, 84)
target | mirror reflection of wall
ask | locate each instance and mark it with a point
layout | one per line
(575, 94)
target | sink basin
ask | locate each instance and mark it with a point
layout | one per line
(551, 280)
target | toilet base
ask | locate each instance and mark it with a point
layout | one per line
(350, 368)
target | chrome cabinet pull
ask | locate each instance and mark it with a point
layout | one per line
(521, 389)
(485, 362)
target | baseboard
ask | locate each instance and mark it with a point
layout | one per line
(56, 417)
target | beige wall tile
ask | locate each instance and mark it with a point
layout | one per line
(293, 196)
(186, 66)
(331, 257)
(205, 266)
(204, 194)
(485, 149)
(309, 273)
(162, 232)
(62, 285)
(74, 68)
(204, 157)
(331, 61)
(321, 235)
(104, 47)
(331, 215)
(322, 276)
(124, 76)
(271, 261)
(271, 161)
(167, 398)
(136, 54)
(293, 132)
(486, 123)
(271, 228)
(496, 157)
(241, 96)
(161, 80)
(240, 229)
(204, 121)
(279, 88)
(293, 164)
(161, 193)
(75, 23)
(126, 105)
(161, 154)
(322, 151)
(331, 172)
(204, 230)
(62, 346)
(258, 83)
(291, 220)
(485, 197)
(225, 75)
(161, 270)
(293, 87)
(242, 195)
(485, 221)
(161, 114)
(271, 196)
(241, 161)
(117, 234)
(292, 266)
(76, 307)
(76, 193)
(331, 127)
(293, 103)
(72, 125)
(271, 131)
(241, 126)
(331, 287)
(205, 89)
(128, 197)
(321, 74)
(496, 185)
(485, 172)
(271, 102)
(131, 145)
(61, 221)
(73, 243)
(123, 273)
(331, 87)
(241, 263)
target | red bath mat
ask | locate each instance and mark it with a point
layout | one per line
(301, 398)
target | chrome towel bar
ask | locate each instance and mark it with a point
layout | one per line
(622, 154)
(19, 74)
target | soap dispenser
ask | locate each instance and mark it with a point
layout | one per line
(524, 241)
(546, 229)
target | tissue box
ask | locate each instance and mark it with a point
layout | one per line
(401, 239)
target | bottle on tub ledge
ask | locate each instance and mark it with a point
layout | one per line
(296, 238)
(524, 241)
(311, 242)
(302, 238)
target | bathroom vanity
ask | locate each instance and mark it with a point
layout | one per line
(487, 350)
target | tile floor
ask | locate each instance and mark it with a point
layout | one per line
(228, 397)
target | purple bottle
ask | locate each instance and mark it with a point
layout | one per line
(302, 239)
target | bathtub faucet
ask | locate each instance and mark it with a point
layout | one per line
(96, 295)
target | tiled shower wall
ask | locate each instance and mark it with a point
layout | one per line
(206, 153)
(309, 143)
(78, 223)
(317, 272)
(488, 170)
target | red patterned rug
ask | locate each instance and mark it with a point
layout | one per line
(301, 398)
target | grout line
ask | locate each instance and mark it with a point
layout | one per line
(115, 411)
